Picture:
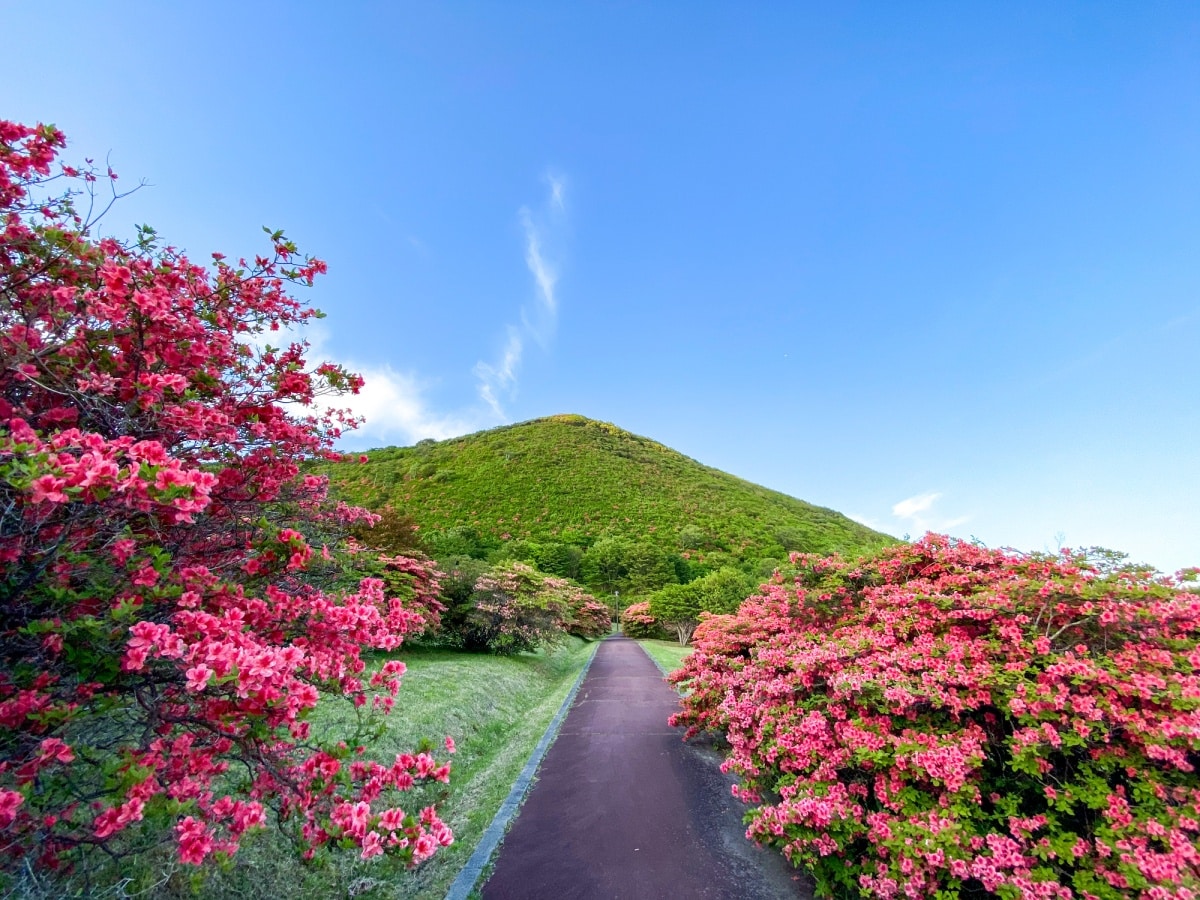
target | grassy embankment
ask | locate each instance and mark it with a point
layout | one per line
(668, 654)
(495, 708)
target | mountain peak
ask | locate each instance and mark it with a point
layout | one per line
(571, 480)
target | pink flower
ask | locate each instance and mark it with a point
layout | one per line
(123, 549)
(146, 576)
(425, 847)
(55, 750)
(9, 802)
(197, 677)
(48, 489)
(371, 845)
(195, 842)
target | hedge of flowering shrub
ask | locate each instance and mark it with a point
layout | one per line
(945, 720)
(516, 609)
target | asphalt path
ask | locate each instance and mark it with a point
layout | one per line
(624, 808)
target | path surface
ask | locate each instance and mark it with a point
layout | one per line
(623, 808)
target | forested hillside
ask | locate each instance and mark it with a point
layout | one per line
(587, 499)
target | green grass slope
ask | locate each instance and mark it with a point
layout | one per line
(571, 479)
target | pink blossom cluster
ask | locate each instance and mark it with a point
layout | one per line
(585, 616)
(172, 589)
(637, 622)
(376, 831)
(590, 619)
(947, 718)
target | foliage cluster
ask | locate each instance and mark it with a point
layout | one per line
(680, 607)
(512, 608)
(506, 606)
(945, 720)
(173, 599)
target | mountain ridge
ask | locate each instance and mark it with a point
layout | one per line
(573, 480)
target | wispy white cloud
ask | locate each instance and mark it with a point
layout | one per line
(393, 406)
(543, 272)
(558, 186)
(919, 516)
(910, 507)
(498, 380)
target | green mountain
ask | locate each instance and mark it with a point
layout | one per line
(571, 488)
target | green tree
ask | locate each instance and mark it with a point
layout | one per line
(678, 606)
(460, 541)
(557, 558)
(395, 532)
(605, 565)
(459, 574)
(649, 568)
(631, 567)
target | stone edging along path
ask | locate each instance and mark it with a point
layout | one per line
(623, 808)
(462, 886)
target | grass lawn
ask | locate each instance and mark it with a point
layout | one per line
(668, 654)
(495, 708)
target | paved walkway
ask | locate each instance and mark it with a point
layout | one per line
(623, 808)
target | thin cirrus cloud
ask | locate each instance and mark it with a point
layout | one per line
(918, 513)
(393, 405)
(498, 380)
(543, 273)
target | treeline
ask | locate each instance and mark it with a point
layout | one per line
(674, 587)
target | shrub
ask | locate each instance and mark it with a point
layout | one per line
(166, 617)
(591, 620)
(513, 611)
(457, 577)
(636, 622)
(946, 720)
(586, 616)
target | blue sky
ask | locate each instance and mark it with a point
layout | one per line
(932, 265)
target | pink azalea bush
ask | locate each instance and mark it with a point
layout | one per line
(947, 720)
(584, 616)
(636, 621)
(170, 600)
(590, 619)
